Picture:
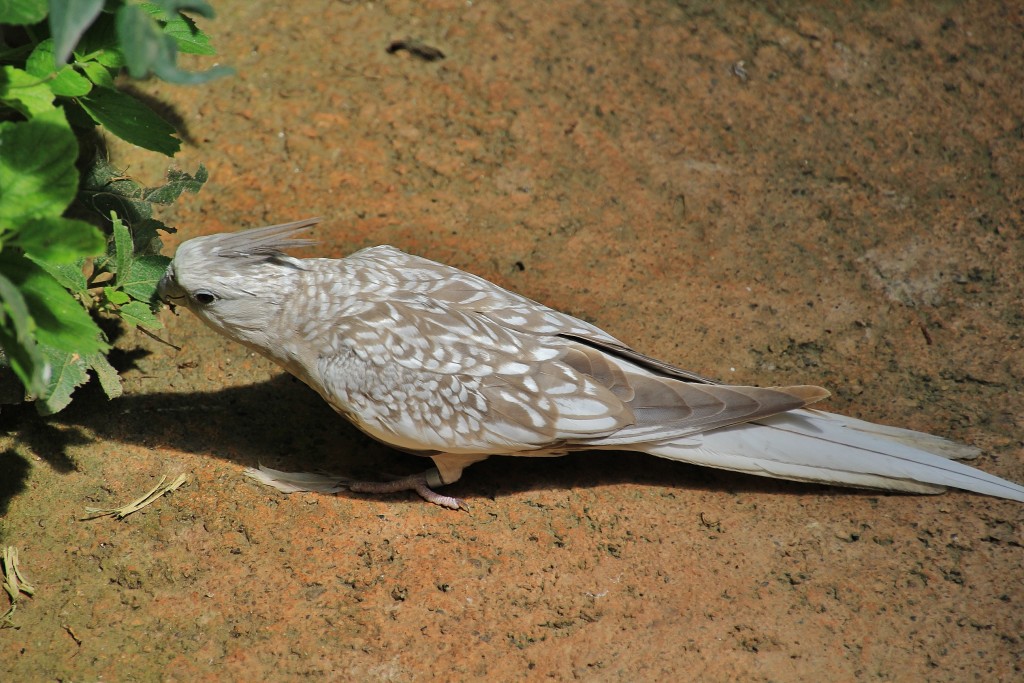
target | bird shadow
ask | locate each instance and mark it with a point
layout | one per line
(281, 423)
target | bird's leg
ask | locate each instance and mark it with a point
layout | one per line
(449, 469)
(420, 483)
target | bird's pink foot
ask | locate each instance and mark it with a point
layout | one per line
(420, 483)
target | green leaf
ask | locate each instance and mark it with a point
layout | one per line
(60, 320)
(98, 74)
(145, 275)
(106, 374)
(59, 240)
(64, 81)
(131, 120)
(173, 6)
(147, 239)
(80, 121)
(105, 188)
(188, 37)
(183, 29)
(100, 44)
(26, 93)
(22, 12)
(14, 308)
(116, 296)
(139, 314)
(124, 248)
(17, 340)
(69, 275)
(177, 182)
(69, 19)
(138, 276)
(148, 50)
(141, 40)
(68, 372)
(37, 167)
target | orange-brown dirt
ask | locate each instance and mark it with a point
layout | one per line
(769, 194)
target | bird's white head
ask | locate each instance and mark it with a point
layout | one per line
(236, 282)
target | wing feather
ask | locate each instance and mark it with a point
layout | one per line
(523, 392)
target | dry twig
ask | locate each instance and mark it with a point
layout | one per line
(142, 501)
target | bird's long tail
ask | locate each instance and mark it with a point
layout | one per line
(815, 446)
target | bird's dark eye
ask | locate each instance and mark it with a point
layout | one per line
(204, 297)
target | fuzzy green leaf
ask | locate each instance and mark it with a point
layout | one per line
(37, 167)
(59, 240)
(105, 188)
(131, 120)
(22, 12)
(177, 182)
(144, 276)
(124, 248)
(147, 239)
(22, 91)
(106, 374)
(64, 81)
(69, 19)
(68, 275)
(68, 372)
(139, 314)
(139, 275)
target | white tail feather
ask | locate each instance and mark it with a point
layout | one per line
(815, 446)
(296, 482)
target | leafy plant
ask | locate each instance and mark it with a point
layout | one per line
(78, 239)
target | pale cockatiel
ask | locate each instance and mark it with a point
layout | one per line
(440, 363)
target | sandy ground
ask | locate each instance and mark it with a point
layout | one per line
(776, 194)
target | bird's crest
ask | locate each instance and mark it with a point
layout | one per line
(262, 242)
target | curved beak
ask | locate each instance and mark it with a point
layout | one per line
(169, 291)
(164, 286)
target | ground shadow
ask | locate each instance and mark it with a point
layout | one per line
(282, 424)
(13, 475)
